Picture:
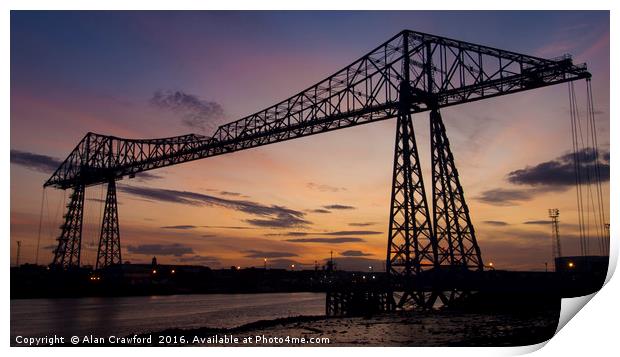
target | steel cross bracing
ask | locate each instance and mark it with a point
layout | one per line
(455, 72)
(456, 238)
(67, 254)
(410, 73)
(109, 251)
(411, 243)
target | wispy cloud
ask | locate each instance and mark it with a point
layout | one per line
(496, 223)
(281, 221)
(36, 162)
(195, 113)
(320, 210)
(175, 249)
(338, 207)
(268, 254)
(48, 165)
(271, 216)
(288, 234)
(358, 233)
(362, 224)
(505, 197)
(354, 253)
(147, 176)
(326, 240)
(99, 200)
(334, 233)
(181, 226)
(324, 188)
(229, 193)
(228, 227)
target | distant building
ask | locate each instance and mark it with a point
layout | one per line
(136, 274)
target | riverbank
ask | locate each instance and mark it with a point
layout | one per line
(433, 328)
(40, 282)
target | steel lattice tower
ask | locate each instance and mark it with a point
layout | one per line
(411, 245)
(456, 238)
(109, 251)
(67, 254)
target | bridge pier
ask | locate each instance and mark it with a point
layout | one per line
(67, 254)
(453, 229)
(415, 245)
(356, 302)
(411, 244)
(109, 251)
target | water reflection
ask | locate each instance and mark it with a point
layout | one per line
(125, 315)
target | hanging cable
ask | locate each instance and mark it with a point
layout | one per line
(576, 164)
(584, 171)
(587, 166)
(603, 238)
(53, 224)
(36, 256)
(49, 223)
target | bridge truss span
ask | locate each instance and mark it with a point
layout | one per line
(439, 70)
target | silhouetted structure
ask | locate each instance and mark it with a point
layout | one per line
(554, 214)
(410, 73)
(109, 252)
(33, 281)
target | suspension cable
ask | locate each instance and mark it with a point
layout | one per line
(603, 238)
(591, 205)
(576, 164)
(52, 222)
(36, 256)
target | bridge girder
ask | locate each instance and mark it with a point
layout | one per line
(368, 90)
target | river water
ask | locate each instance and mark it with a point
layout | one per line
(121, 316)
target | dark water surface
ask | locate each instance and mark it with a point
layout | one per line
(121, 316)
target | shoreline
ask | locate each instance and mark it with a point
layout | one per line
(401, 328)
(427, 328)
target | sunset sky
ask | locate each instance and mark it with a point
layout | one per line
(114, 73)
